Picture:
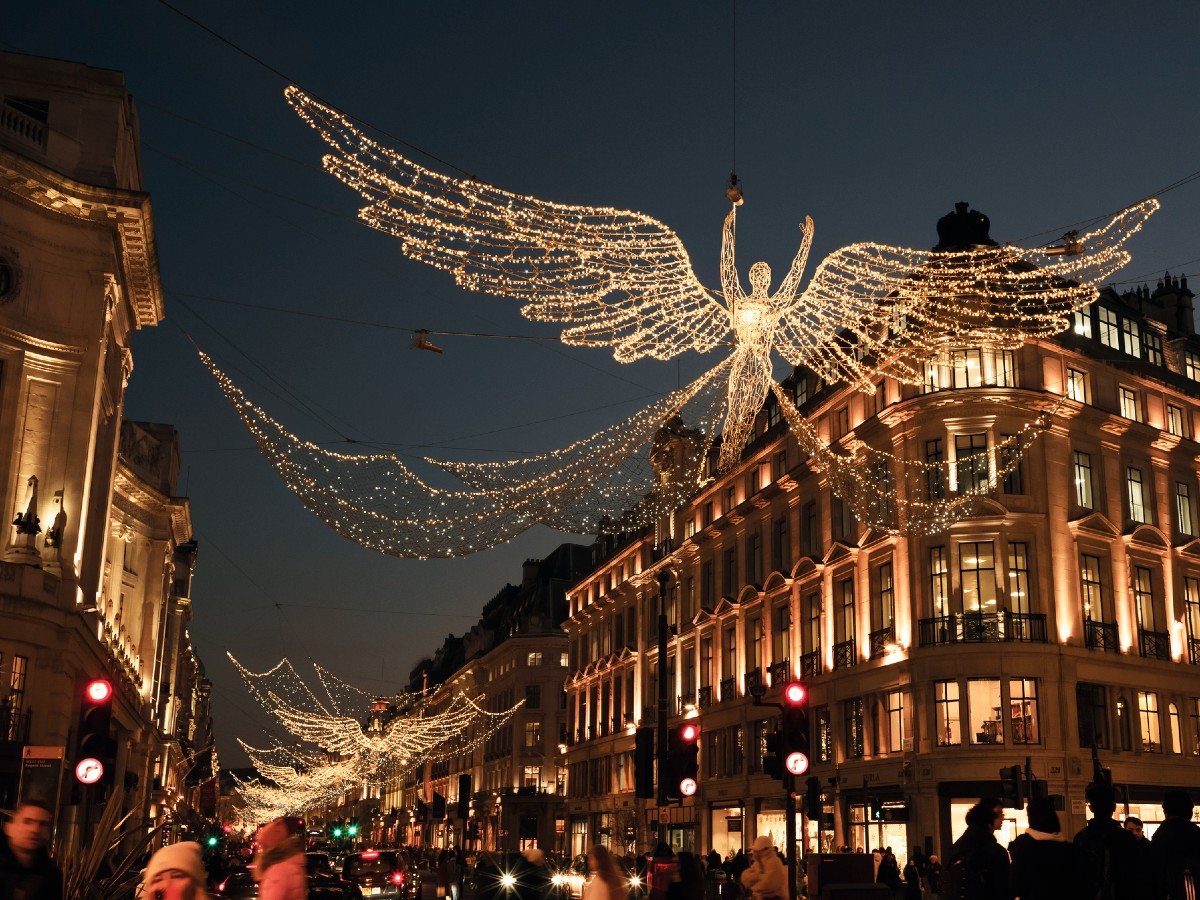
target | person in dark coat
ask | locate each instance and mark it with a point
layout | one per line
(978, 865)
(1175, 849)
(690, 883)
(1111, 853)
(1044, 865)
(933, 874)
(912, 880)
(26, 870)
(889, 871)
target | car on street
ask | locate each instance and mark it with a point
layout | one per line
(238, 885)
(325, 884)
(383, 875)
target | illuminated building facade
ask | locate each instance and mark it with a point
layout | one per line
(1064, 610)
(95, 573)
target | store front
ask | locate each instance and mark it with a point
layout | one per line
(680, 828)
(867, 834)
(725, 828)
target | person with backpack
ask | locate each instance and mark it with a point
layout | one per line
(1045, 866)
(978, 866)
(1175, 850)
(1111, 857)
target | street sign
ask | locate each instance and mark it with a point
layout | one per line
(41, 775)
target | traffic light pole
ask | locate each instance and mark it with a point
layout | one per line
(789, 810)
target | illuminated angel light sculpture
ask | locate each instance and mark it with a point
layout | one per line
(623, 280)
(408, 735)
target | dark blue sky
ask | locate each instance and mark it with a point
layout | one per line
(873, 118)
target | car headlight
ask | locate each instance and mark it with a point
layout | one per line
(508, 880)
(635, 880)
(558, 880)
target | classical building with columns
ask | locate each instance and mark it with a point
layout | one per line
(95, 571)
(1063, 612)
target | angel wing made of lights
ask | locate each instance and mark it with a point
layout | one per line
(622, 279)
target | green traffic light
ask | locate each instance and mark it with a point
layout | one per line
(337, 832)
(352, 830)
(212, 840)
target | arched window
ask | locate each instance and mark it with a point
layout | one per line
(1124, 730)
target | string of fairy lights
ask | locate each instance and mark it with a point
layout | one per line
(358, 739)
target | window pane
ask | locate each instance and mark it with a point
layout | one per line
(1023, 717)
(977, 568)
(983, 707)
(949, 724)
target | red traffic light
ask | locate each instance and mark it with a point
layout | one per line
(98, 690)
(687, 787)
(796, 763)
(690, 731)
(794, 693)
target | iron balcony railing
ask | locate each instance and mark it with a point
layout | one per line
(1154, 644)
(843, 654)
(881, 640)
(704, 697)
(1100, 636)
(781, 672)
(982, 628)
(754, 680)
(810, 665)
(728, 689)
(1194, 650)
(14, 726)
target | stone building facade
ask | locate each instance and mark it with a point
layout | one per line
(95, 573)
(1064, 611)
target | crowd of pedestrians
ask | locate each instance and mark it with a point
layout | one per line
(1105, 860)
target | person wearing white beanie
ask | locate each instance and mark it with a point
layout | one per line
(175, 872)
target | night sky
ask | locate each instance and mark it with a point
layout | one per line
(873, 118)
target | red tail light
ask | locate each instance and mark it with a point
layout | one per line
(397, 878)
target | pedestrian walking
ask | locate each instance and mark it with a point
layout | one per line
(888, 872)
(933, 875)
(175, 872)
(605, 881)
(978, 865)
(1111, 854)
(280, 867)
(765, 878)
(1175, 850)
(1045, 866)
(690, 883)
(912, 880)
(26, 870)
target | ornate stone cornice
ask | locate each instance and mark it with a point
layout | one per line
(128, 212)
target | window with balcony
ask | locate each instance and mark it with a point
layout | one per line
(883, 611)
(706, 662)
(947, 714)
(844, 650)
(1083, 480)
(730, 654)
(1191, 618)
(1131, 406)
(855, 741)
(939, 582)
(1175, 421)
(781, 624)
(1091, 705)
(1136, 495)
(1194, 715)
(1018, 577)
(811, 662)
(1184, 519)
(1077, 385)
(984, 708)
(977, 575)
(1023, 711)
(971, 463)
(1148, 722)
(1110, 334)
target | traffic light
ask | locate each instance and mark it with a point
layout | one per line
(1012, 788)
(212, 841)
(794, 727)
(812, 798)
(96, 761)
(876, 806)
(643, 763)
(352, 830)
(337, 832)
(772, 761)
(683, 768)
(464, 796)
